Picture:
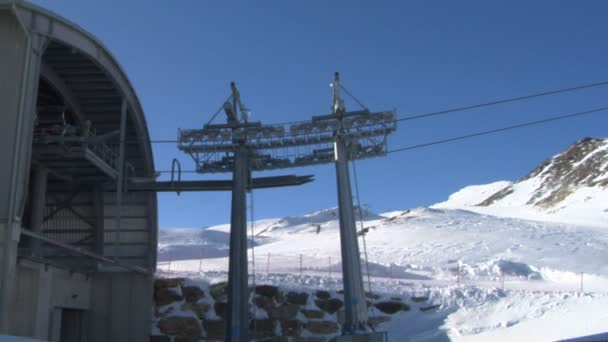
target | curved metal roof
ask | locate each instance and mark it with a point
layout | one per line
(89, 78)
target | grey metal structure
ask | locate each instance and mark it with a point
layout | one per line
(76, 249)
(241, 147)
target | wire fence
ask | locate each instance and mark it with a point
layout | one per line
(268, 265)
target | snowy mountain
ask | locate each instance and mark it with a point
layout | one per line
(503, 261)
(569, 187)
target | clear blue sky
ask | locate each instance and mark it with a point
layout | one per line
(416, 57)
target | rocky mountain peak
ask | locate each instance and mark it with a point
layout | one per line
(584, 164)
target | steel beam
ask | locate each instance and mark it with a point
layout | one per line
(84, 252)
(37, 204)
(218, 185)
(238, 293)
(121, 173)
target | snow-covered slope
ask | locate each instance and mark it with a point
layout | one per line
(420, 251)
(570, 187)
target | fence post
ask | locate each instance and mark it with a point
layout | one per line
(169, 267)
(268, 264)
(581, 282)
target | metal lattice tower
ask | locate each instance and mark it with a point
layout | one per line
(241, 147)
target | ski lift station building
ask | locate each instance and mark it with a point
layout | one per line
(77, 250)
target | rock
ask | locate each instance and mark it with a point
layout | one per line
(391, 307)
(164, 296)
(162, 313)
(220, 309)
(321, 294)
(377, 320)
(160, 338)
(215, 328)
(313, 314)
(279, 297)
(309, 339)
(322, 327)
(266, 290)
(199, 309)
(284, 312)
(262, 328)
(265, 303)
(168, 282)
(431, 307)
(192, 293)
(292, 328)
(218, 291)
(300, 298)
(180, 326)
(330, 306)
(280, 339)
(186, 339)
(420, 299)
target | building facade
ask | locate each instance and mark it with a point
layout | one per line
(77, 249)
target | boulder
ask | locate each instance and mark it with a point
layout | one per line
(430, 307)
(164, 296)
(309, 339)
(215, 328)
(180, 326)
(284, 312)
(220, 309)
(322, 327)
(330, 306)
(218, 291)
(168, 282)
(391, 307)
(192, 293)
(199, 309)
(265, 303)
(300, 298)
(262, 328)
(313, 314)
(266, 290)
(160, 338)
(321, 294)
(292, 328)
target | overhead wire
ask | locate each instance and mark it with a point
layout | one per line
(497, 130)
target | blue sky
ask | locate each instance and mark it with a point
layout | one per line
(416, 57)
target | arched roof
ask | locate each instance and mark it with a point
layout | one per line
(89, 78)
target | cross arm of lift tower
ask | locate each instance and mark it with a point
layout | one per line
(241, 147)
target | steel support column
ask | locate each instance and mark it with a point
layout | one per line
(238, 292)
(120, 179)
(98, 209)
(37, 204)
(354, 297)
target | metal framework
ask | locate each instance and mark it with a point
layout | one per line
(241, 147)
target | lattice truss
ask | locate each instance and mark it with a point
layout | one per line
(288, 145)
